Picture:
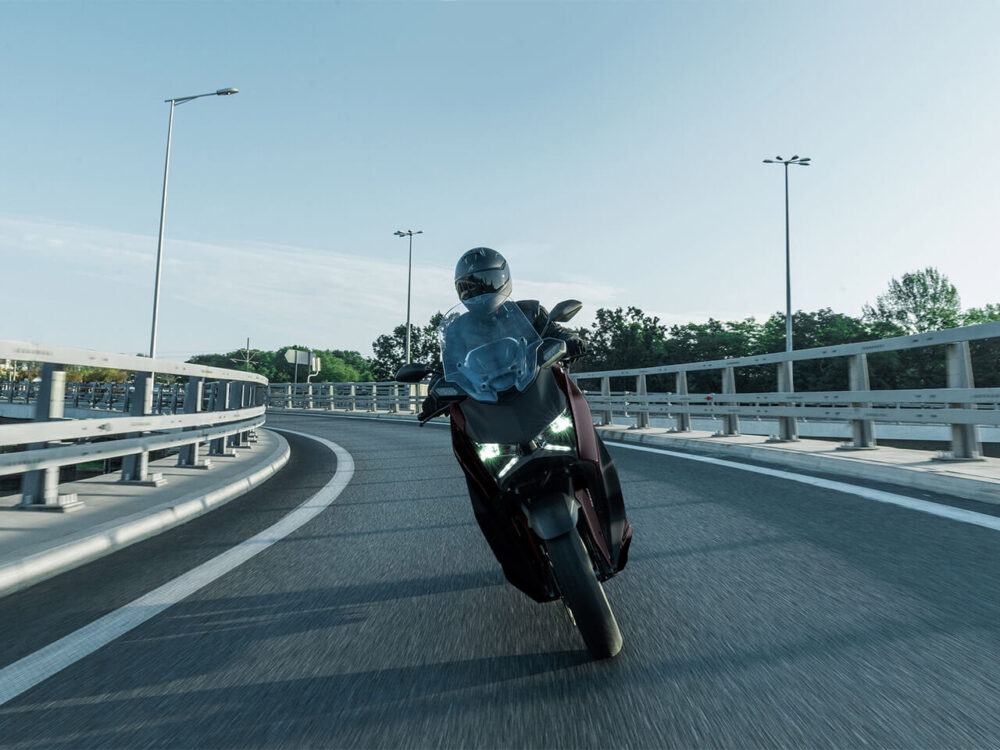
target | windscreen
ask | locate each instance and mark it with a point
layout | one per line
(487, 352)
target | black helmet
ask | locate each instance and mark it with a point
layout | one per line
(482, 271)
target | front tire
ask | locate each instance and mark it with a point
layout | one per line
(584, 595)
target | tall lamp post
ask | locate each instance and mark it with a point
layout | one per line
(803, 162)
(163, 205)
(409, 277)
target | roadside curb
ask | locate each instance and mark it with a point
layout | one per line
(108, 538)
(980, 490)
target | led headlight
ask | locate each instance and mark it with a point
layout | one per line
(498, 458)
(559, 435)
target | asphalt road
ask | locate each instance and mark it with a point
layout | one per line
(755, 611)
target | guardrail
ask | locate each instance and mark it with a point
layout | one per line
(214, 405)
(388, 397)
(960, 406)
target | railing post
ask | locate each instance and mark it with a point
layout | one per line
(288, 396)
(236, 402)
(683, 421)
(330, 392)
(641, 417)
(353, 395)
(189, 455)
(606, 415)
(965, 445)
(309, 396)
(862, 430)
(40, 488)
(730, 422)
(220, 399)
(246, 397)
(135, 468)
(788, 430)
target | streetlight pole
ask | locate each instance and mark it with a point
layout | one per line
(804, 162)
(409, 278)
(163, 206)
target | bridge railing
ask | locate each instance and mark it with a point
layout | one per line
(214, 405)
(960, 406)
(389, 397)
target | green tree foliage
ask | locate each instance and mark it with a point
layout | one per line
(919, 301)
(986, 353)
(81, 374)
(390, 349)
(628, 338)
(337, 366)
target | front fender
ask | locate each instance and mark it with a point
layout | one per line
(552, 514)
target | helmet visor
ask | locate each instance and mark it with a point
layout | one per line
(487, 281)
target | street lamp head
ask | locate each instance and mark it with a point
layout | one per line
(793, 158)
(769, 161)
(227, 92)
(778, 158)
(419, 231)
(399, 234)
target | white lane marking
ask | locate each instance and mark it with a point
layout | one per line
(25, 673)
(903, 501)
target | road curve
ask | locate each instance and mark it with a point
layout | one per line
(755, 611)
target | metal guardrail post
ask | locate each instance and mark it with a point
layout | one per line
(189, 455)
(730, 422)
(641, 417)
(353, 397)
(606, 415)
(135, 468)
(965, 445)
(788, 430)
(330, 393)
(683, 421)
(40, 488)
(288, 396)
(235, 401)
(220, 398)
(862, 430)
(309, 396)
(242, 439)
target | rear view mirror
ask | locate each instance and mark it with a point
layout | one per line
(413, 372)
(565, 310)
(551, 351)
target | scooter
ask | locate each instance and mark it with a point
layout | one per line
(544, 488)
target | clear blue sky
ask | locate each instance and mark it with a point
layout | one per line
(611, 150)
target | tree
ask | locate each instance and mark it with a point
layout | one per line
(336, 366)
(986, 314)
(390, 349)
(920, 301)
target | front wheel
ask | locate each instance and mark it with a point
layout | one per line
(584, 595)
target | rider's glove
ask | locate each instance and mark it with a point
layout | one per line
(575, 347)
(429, 406)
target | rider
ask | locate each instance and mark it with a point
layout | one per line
(482, 275)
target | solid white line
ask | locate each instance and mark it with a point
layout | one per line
(25, 673)
(903, 501)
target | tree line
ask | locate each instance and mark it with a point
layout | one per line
(626, 338)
